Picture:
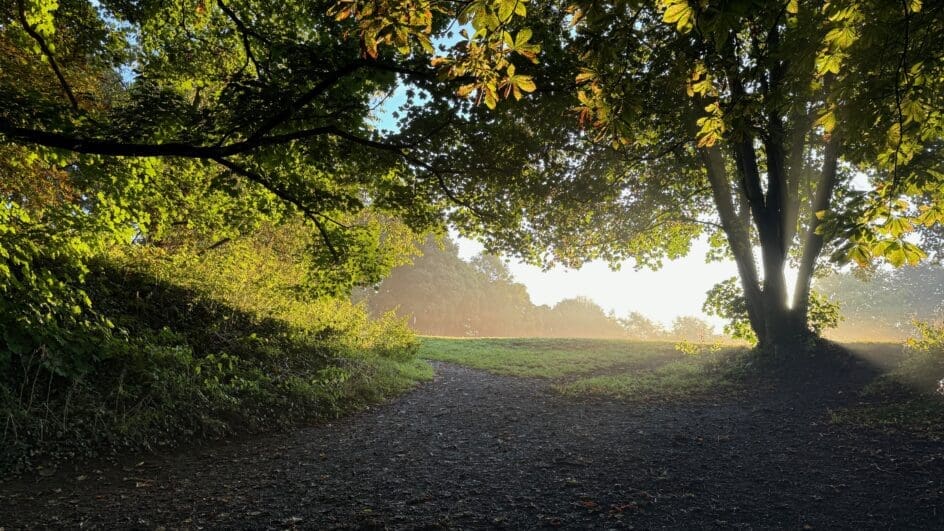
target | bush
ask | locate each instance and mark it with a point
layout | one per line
(203, 345)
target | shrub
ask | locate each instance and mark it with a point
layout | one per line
(203, 344)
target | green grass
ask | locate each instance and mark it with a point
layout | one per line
(695, 376)
(546, 357)
(595, 367)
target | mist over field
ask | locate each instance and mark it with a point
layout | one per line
(442, 294)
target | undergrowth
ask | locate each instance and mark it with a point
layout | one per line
(202, 345)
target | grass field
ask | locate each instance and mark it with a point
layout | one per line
(639, 370)
(595, 367)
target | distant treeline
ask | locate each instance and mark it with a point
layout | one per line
(441, 294)
(882, 305)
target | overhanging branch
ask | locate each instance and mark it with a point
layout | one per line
(47, 53)
(286, 196)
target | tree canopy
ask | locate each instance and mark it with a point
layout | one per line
(808, 131)
(805, 129)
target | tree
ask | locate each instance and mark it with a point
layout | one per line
(750, 121)
(784, 101)
(445, 295)
(272, 101)
(494, 269)
(638, 326)
(884, 304)
(691, 328)
(807, 131)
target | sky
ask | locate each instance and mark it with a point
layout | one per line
(677, 289)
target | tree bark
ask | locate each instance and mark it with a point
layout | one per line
(814, 242)
(737, 231)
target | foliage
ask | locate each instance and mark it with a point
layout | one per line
(185, 197)
(924, 367)
(726, 300)
(271, 104)
(204, 343)
(693, 348)
(822, 313)
(691, 328)
(640, 327)
(41, 308)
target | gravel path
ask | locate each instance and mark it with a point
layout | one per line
(474, 450)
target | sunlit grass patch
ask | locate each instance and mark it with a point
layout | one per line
(596, 367)
(689, 377)
(547, 357)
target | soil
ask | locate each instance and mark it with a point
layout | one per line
(476, 450)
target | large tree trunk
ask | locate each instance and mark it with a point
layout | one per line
(780, 326)
(772, 318)
(737, 230)
(813, 243)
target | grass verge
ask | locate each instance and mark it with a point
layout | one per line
(690, 377)
(594, 367)
(546, 357)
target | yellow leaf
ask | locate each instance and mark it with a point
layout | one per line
(523, 36)
(525, 83)
(465, 90)
(676, 12)
(827, 121)
(679, 13)
(894, 134)
(584, 76)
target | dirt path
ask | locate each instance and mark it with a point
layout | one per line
(478, 450)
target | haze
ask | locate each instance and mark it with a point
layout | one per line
(677, 289)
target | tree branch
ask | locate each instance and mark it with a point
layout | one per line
(286, 196)
(244, 33)
(47, 53)
(288, 111)
(737, 234)
(813, 244)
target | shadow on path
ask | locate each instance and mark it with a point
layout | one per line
(474, 449)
